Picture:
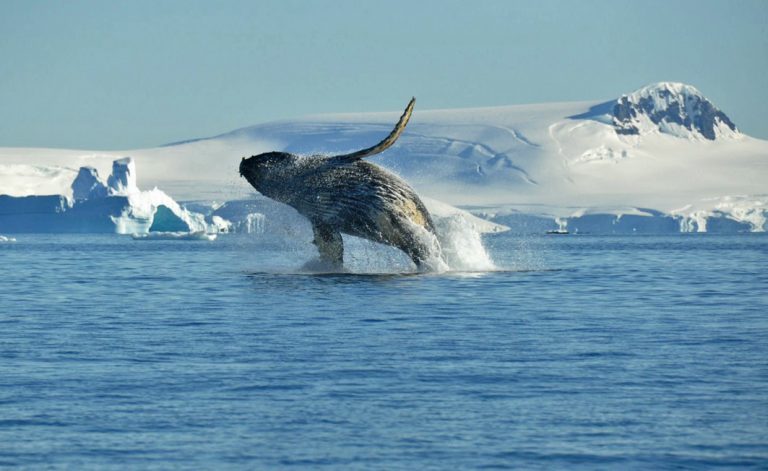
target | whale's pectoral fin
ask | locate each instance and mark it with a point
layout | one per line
(329, 244)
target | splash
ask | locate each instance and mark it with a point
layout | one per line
(435, 261)
(462, 245)
(457, 246)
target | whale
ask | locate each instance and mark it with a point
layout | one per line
(345, 194)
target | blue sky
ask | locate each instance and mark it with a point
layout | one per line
(131, 74)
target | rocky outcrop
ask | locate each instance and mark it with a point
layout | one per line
(671, 108)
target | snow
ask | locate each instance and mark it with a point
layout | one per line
(544, 161)
(21, 179)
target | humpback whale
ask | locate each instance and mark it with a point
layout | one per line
(344, 194)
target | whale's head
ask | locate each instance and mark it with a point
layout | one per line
(270, 172)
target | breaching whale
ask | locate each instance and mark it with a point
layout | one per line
(343, 194)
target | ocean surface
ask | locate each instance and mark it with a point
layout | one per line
(580, 352)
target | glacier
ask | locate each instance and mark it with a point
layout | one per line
(662, 158)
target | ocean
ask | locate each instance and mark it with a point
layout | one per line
(576, 352)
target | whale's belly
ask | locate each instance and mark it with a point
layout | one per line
(362, 199)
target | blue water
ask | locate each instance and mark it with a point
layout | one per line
(590, 353)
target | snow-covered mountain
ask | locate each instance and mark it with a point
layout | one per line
(662, 151)
(671, 108)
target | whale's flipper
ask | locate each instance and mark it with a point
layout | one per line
(386, 143)
(329, 244)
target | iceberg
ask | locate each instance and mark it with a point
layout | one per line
(123, 178)
(87, 185)
(90, 205)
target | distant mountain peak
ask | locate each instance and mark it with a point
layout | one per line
(671, 108)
